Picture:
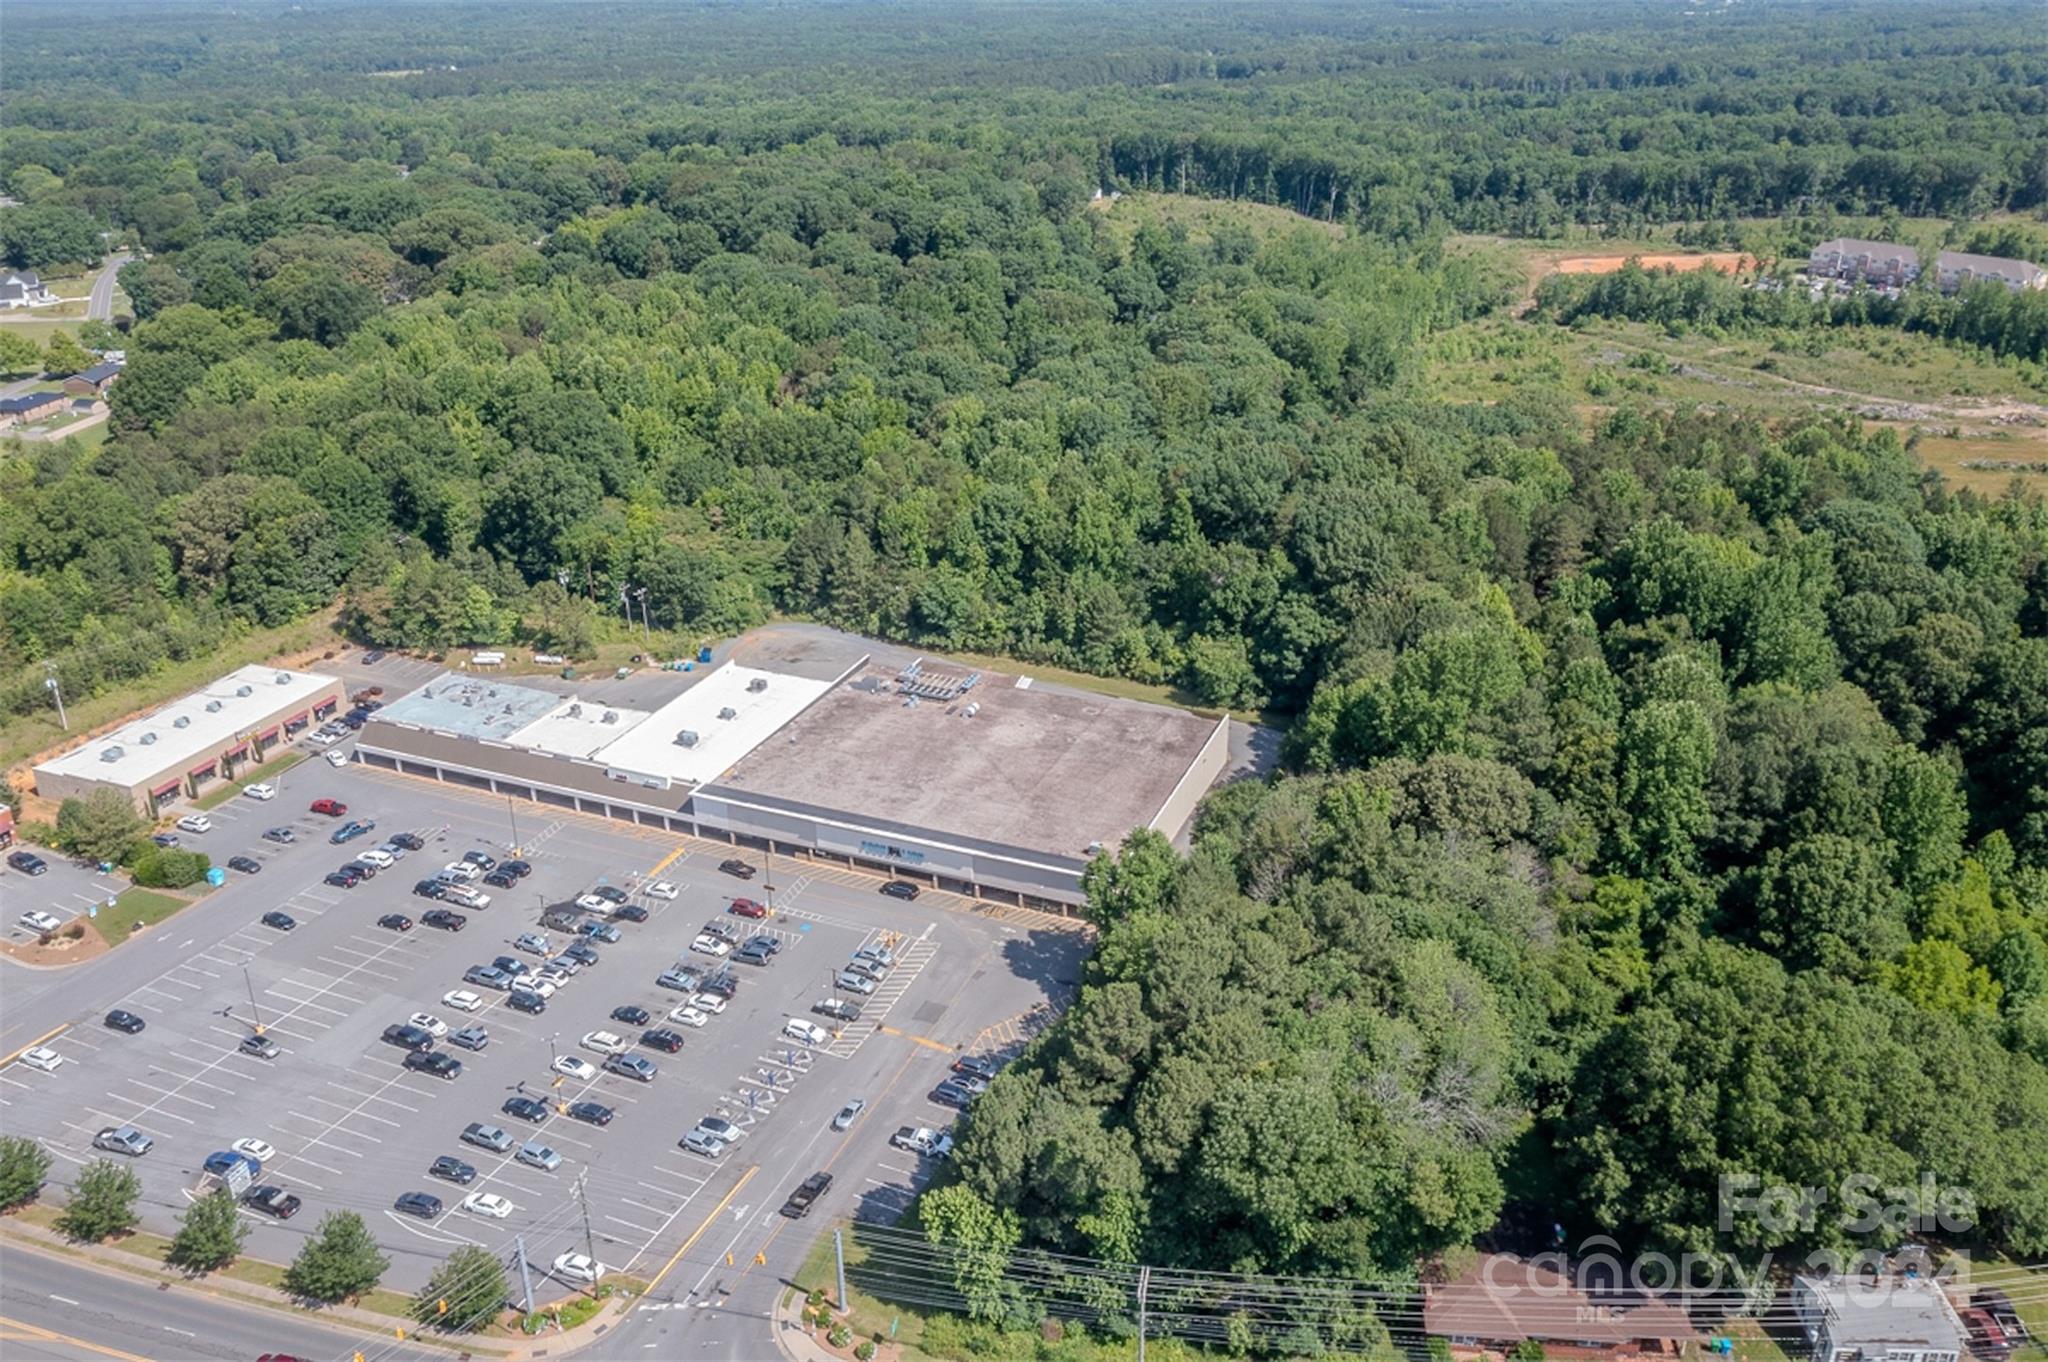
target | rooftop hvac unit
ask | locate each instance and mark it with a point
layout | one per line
(284, 678)
(213, 706)
(113, 752)
(470, 700)
(757, 685)
(972, 709)
(182, 721)
(575, 711)
(245, 691)
(687, 738)
(148, 738)
(610, 717)
(427, 691)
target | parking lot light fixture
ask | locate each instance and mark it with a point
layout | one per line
(255, 1014)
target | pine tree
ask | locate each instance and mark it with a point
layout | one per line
(24, 1166)
(102, 1202)
(339, 1261)
(210, 1235)
(465, 1292)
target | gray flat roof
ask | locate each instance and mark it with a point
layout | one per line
(191, 727)
(1035, 767)
(471, 707)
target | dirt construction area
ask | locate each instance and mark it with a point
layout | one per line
(1728, 262)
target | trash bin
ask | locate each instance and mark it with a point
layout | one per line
(703, 654)
(216, 877)
(568, 673)
(622, 673)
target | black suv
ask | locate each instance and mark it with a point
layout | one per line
(125, 1021)
(444, 919)
(725, 984)
(421, 1204)
(431, 889)
(901, 889)
(526, 1000)
(28, 863)
(738, 868)
(518, 870)
(411, 841)
(630, 1015)
(662, 1039)
(453, 1169)
(596, 1113)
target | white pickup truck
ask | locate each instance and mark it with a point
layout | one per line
(936, 1144)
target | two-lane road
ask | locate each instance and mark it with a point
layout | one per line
(99, 307)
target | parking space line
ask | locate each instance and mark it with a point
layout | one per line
(129, 1122)
(631, 1226)
(168, 1093)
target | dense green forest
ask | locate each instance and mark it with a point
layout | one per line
(1667, 795)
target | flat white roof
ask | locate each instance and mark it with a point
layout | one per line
(650, 747)
(213, 717)
(577, 728)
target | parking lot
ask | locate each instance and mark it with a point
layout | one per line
(354, 1128)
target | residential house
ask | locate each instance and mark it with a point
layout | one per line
(93, 382)
(1503, 1300)
(33, 407)
(1886, 264)
(1889, 1319)
(21, 288)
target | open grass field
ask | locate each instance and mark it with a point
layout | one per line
(134, 910)
(1201, 217)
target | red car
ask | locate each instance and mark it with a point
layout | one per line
(747, 908)
(333, 808)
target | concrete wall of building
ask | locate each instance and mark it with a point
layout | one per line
(517, 764)
(1202, 773)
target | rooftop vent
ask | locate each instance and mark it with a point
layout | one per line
(182, 721)
(728, 713)
(113, 752)
(427, 691)
(148, 738)
(575, 711)
(213, 706)
(687, 738)
(610, 717)
(972, 710)
(284, 678)
(245, 691)
(757, 685)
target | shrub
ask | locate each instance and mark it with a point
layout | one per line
(840, 1336)
(102, 1202)
(866, 1350)
(164, 868)
(24, 1166)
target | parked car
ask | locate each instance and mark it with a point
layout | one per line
(195, 822)
(333, 808)
(593, 1113)
(36, 920)
(431, 889)
(445, 920)
(661, 889)
(283, 922)
(901, 889)
(725, 984)
(259, 1047)
(486, 1137)
(630, 1015)
(42, 1057)
(246, 865)
(600, 931)
(462, 1000)
(534, 1154)
(411, 841)
(452, 1169)
(408, 1037)
(605, 1042)
(747, 908)
(853, 983)
(123, 1140)
(395, 922)
(372, 856)
(373, 657)
(715, 946)
(425, 1205)
(636, 1067)
(487, 1204)
(392, 848)
(471, 1037)
(446, 1067)
(526, 1109)
(429, 1023)
(351, 830)
(28, 863)
(518, 870)
(498, 879)
(723, 1129)
(879, 956)
(705, 1143)
(806, 1195)
(362, 870)
(272, 1201)
(582, 952)
(533, 943)
(482, 860)
(281, 836)
(951, 1094)
(222, 1161)
(337, 758)
(752, 954)
(262, 790)
(348, 877)
(805, 1033)
(461, 871)
(978, 1066)
(527, 1001)
(573, 1066)
(166, 840)
(487, 976)
(121, 1020)
(686, 1015)
(839, 1009)
(577, 1267)
(662, 1039)
(631, 912)
(681, 980)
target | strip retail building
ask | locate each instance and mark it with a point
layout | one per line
(978, 783)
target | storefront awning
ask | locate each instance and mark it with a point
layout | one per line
(204, 768)
(170, 787)
(238, 750)
(301, 717)
(267, 734)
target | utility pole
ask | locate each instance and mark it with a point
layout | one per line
(525, 1276)
(839, 1252)
(589, 1242)
(56, 693)
(512, 812)
(1144, 1284)
(646, 634)
(626, 604)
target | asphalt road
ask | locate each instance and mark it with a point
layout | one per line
(54, 1309)
(354, 1129)
(100, 305)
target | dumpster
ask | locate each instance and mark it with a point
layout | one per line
(703, 654)
(216, 877)
(568, 673)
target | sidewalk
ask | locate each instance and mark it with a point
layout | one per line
(378, 1327)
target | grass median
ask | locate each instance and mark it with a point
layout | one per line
(266, 774)
(134, 910)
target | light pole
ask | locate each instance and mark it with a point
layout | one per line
(512, 812)
(253, 1010)
(646, 634)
